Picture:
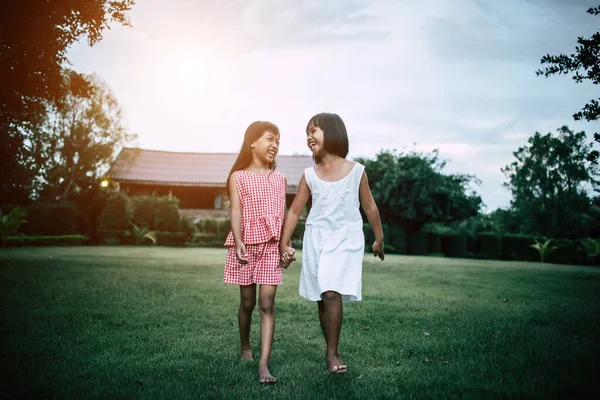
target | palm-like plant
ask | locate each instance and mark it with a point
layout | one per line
(140, 233)
(10, 223)
(591, 248)
(544, 248)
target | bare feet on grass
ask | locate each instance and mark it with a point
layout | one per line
(334, 364)
(264, 375)
(246, 354)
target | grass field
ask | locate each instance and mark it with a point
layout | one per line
(150, 322)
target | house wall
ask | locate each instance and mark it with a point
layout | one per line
(189, 197)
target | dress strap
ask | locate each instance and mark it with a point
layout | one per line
(308, 176)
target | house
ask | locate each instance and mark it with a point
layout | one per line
(198, 180)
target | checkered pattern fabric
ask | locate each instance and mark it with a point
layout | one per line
(262, 199)
(263, 268)
(263, 207)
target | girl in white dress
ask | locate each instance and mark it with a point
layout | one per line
(333, 245)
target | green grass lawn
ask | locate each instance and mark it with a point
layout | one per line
(150, 322)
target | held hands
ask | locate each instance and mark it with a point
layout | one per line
(240, 253)
(287, 253)
(378, 249)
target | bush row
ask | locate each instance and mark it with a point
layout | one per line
(482, 246)
(55, 240)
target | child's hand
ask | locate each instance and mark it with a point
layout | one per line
(240, 253)
(378, 249)
(287, 255)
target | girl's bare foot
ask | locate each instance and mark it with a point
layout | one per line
(264, 375)
(246, 354)
(335, 366)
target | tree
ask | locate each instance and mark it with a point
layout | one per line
(34, 38)
(410, 190)
(76, 141)
(548, 182)
(584, 64)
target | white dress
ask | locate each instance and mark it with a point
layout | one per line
(333, 246)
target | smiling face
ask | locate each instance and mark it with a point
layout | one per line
(266, 147)
(315, 139)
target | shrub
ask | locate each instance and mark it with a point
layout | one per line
(298, 233)
(591, 249)
(115, 236)
(370, 238)
(434, 242)
(209, 225)
(397, 239)
(51, 219)
(566, 252)
(171, 238)
(511, 247)
(418, 244)
(223, 226)
(528, 253)
(166, 214)
(454, 245)
(115, 215)
(187, 226)
(56, 240)
(490, 246)
(144, 208)
(11, 222)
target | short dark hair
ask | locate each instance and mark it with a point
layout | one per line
(335, 136)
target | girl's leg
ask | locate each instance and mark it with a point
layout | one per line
(321, 308)
(332, 318)
(266, 305)
(247, 304)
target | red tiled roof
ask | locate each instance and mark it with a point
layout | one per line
(191, 169)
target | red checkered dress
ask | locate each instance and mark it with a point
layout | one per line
(263, 208)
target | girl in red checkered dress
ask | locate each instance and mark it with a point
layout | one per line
(257, 195)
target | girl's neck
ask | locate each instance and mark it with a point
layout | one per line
(258, 167)
(330, 160)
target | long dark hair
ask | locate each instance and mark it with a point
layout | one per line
(335, 137)
(254, 131)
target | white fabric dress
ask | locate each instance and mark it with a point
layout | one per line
(334, 244)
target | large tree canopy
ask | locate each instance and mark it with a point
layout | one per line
(34, 38)
(584, 64)
(549, 181)
(410, 190)
(74, 143)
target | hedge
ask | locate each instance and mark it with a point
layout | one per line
(397, 239)
(454, 245)
(115, 236)
(528, 253)
(568, 252)
(51, 220)
(220, 227)
(370, 238)
(418, 244)
(171, 238)
(434, 243)
(54, 240)
(489, 246)
(511, 247)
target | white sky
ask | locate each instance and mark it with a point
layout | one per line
(403, 74)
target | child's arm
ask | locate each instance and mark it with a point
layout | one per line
(235, 214)
(372, 212)
(291, 219)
